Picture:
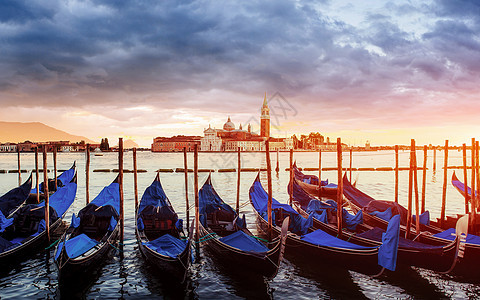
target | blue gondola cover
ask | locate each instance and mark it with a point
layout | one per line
(387, 254)
(76, 246)
(243, 241)
(110, 195)
(62, 199)
(449, 234)
(321, 238)
(424, 218)
(75, 221)
(4, 222)
(385, 215)
(167, 245)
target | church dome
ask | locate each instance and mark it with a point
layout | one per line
(229, 125)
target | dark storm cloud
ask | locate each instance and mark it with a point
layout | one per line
(122, 52)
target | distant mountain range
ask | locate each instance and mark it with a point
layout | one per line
(16, 132)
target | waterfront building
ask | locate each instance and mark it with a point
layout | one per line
(175, 143)
(8, 147)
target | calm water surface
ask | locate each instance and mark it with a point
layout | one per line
(130, 277)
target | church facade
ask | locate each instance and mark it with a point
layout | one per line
(230, 138)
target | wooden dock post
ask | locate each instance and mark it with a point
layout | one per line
(18, 161)
(434, 159)
(87, 175)
(37, 174)
(351, 157)
(269, 185)
(339, 188)
(185, 171)
(444, 190)
(465, 179)
(290, 199)
(45, 185)
(319, 173)
(477, 175)
(135, 177)
(277, 169)
(120, 185)
(472, 196)
(55, 165)
(410, 190)
(424, 177)
(396, 173)
(238, 181)
(415, 186)
(195, 186)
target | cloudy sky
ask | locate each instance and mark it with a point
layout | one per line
(362, 70)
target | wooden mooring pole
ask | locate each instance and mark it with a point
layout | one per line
(292, 178)
(424, 178)
(269, 186)
(445, 181)
(319, 173)
(465, 179)
(415, 186)
(472, 196)
(185, 171)
(135, 178)
(87, 175)
(277, 169)
(18, 163)
(37, 174)
(195, 186)
(410, 190)
(396, 173)
(434, 159)
(120, 186)
(339, 188)
(351, 158)
(55, 165)
(238, 180)
(45, 185)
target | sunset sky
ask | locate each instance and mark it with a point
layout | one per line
(361, 70)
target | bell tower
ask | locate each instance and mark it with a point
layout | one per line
(265, 119)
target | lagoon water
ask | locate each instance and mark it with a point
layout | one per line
(130, 277)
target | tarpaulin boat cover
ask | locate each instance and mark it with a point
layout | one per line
(243, 241)
(4, 222)
(321, 238)
(382, 206)
(62, 199)
(75, 221)
(387, 253)
(76, 246)
(318, 209)
(449, 234)
(377, 233)
(110, 195)
(384, 215)
(155, 196)
(62, 180)
(6, 244)
(210, 201)
(310, 179)
(461, 186)
(167, 245)
(259, 197)
(424, 218)
(15, 197)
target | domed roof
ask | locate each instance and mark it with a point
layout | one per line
(229, 125)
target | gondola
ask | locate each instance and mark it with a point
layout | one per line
(460, 186)
(319, 246)
(376, 213)
(160, 234)
(91, 236)
(309, 184)
(62, 179)
(410, 253)
(227, 236)
(12, 200)
(27, 232)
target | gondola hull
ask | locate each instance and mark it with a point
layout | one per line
(69, 268)
(175, 267)
(432, 260)
(265, 264)
(29, 247)
(363, 261)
